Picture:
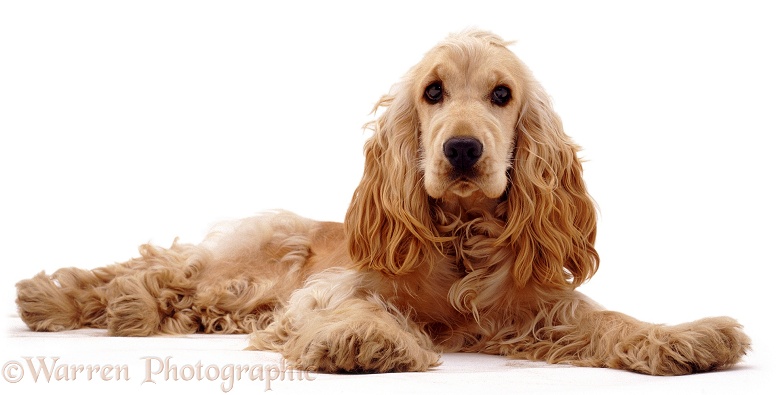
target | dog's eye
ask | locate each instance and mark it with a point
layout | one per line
(434, 93)
(501, 96)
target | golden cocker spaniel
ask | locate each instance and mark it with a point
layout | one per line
(470, 231)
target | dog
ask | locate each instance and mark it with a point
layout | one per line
(469, 232)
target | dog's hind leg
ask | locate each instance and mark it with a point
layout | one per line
(70, 298)
(143, 296)
(231, 283)
(157, 298)
(261, 260)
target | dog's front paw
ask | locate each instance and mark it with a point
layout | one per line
(352, 345)
(698, 346)
(366, 347)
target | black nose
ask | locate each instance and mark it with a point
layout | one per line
(462, 152)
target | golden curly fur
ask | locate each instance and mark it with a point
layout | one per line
(470, 231)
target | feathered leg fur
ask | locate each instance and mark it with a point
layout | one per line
(147, 295)
(577, 332)
(334, 325)
(230, 283)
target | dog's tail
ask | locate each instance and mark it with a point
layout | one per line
(72, 298)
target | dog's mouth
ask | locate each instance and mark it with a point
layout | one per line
(451, 183)
(463, 187)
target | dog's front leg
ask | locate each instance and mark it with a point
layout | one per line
(576, 332)
(332, 325)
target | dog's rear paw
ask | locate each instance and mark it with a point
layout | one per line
(149, 303)
(67, 299)
(132, 311)
(43, 305)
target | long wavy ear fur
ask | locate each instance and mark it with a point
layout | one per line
(388, 221)
(551, 220)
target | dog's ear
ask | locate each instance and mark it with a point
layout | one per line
(388, 225)
(551, 219)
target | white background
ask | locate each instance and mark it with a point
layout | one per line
(123, 123)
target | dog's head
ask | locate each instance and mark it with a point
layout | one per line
(467, 96)
(469, 126)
